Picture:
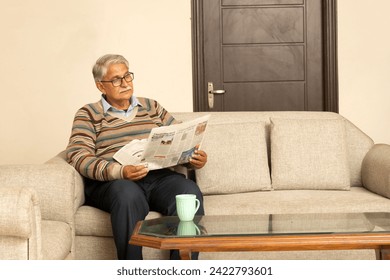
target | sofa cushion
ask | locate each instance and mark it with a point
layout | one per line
(93, 221)
(309, 154)
(357, 200)
(95, 248)
(237, 159)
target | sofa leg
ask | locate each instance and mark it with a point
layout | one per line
(383, 253)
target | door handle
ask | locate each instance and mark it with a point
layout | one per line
(211, 92)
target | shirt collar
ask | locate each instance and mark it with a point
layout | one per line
(107, 106)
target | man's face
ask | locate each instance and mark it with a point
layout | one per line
(119, 96)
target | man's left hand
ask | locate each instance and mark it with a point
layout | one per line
(198, 158)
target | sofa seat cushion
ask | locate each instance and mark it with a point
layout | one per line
(103, 248)
(237, 159)
(56, 240)
(91, 221)
(309, 154)
(358, 199)
(95, 248)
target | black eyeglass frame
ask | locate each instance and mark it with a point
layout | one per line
(119, 81)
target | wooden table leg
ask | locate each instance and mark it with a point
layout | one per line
(185, 254)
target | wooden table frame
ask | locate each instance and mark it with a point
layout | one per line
(186, 245)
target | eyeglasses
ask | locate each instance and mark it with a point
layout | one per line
(118, 81)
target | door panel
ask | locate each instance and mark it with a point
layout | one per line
(260, 2)
(286, 96)
(262, 25)
(265, 54)
(263, 63)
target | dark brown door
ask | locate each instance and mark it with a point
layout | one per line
(264, 55)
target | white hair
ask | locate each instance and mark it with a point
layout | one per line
(99, 70)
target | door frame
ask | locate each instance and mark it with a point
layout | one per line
(331, 93)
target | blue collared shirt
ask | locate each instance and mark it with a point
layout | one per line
(108, 107)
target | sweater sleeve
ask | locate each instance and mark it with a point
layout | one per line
(81, 151)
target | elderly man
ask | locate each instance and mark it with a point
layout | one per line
(99, 130)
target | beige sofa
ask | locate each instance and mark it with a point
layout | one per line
(259, 162)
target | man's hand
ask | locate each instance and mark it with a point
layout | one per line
(198, 158)
(135, 172)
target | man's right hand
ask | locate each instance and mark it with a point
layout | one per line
(135, 172)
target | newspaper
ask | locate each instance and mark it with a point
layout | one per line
(166, 146)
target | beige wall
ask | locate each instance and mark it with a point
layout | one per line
(364, 61)
(48, 48)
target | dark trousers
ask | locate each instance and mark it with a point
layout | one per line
(129, 202)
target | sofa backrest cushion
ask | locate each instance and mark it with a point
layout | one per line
(237, 159)
(309, 154)
(358, 143)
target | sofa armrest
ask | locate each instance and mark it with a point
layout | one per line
(20, 224)
(376, 170)
(77, 179)
(55, 185)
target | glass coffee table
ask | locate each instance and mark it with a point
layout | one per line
(273, 232)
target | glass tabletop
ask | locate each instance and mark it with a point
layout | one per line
(268, 224)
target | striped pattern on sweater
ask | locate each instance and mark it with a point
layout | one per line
(97, 136)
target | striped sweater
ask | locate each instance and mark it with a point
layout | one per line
(96, 136)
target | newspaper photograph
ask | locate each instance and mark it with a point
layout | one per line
(166, 146)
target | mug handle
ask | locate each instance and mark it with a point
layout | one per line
(197, 205)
